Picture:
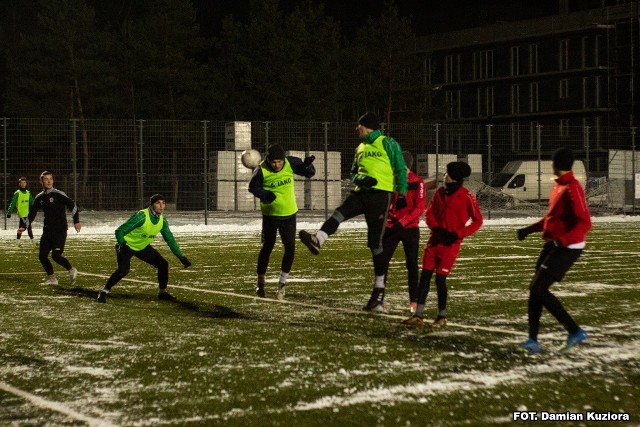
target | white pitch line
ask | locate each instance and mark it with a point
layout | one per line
(321, 307)
(55, 406)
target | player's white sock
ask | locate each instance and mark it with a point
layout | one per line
(283, 277)
(321, 236)
(379, 283)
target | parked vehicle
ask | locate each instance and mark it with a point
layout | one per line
(529, 180)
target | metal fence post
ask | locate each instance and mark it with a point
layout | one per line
(539, 150)
(4, 166)
(326, 169)
(633, 170)
(586, 151)
(74, 157)
(489, 166)
(141, 164)
(205, 173)
(437, 126)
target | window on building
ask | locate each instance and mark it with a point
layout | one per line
(515, 99)
(564, 128)
(483, 64)
(448, 69)
(427, 66)
(564, 88)
(596, 50)
(533, 58)
(584, 46)
(515, 60)
(563, 54)
(486, 102)
(452, 100)
(452, 68)
(534, 105)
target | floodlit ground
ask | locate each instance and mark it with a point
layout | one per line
(221, 356)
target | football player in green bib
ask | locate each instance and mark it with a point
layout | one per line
(21, 202)
(272, 183)
(378, 171)
(134, 238)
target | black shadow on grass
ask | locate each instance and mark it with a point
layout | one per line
(217, 312)
(10, 360)
(93, 293)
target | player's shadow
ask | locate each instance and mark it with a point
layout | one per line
(216, 312)
(92, 293)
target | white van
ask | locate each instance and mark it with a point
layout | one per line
(519, 179)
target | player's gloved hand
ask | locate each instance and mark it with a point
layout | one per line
(397, 227)
(120, 248)
(185, 261)
(401, 202)
(8, 215)
(450, 237)
(523, 233)
(445, 236)
(268, 196)
(364, 181)
(308, 160)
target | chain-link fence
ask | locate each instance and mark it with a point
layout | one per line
(118, 164)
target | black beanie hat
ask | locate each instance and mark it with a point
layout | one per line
(275, 152)
(369, 120)
(408, 159)
(458, 171)
(563, 159)
(155, 198)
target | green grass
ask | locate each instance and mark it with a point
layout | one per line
(221, 356)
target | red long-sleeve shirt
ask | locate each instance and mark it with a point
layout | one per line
(409, 216)
(568, 219)
(453, 212)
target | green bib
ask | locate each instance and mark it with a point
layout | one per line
(23, 203)
(280, 184)
(144, 235)
(373, 161)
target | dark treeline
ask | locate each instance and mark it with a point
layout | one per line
(152, 59)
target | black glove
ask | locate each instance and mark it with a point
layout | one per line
(524, 232)
(120, 248)
(365, 181)
(401, 202)
(8, 215)
(445, 236)
(185, 261)
(308, 160)
(557, 243)
(268, 196)
(397, 227)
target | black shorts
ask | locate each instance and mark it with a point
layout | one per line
(557, 260)
(375, 207)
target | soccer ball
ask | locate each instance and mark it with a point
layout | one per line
(251, 158)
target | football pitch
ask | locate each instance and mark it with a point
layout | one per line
(222, 356)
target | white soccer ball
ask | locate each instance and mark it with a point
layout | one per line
(251, 158)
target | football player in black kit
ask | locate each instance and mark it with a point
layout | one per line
(54, 204)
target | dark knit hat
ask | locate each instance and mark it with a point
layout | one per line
(369, 120)
(408, 159)
(155, 198)
(458, 171)
(563, 159)
(275, 152)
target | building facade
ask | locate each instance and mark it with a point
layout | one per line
(569, 72)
